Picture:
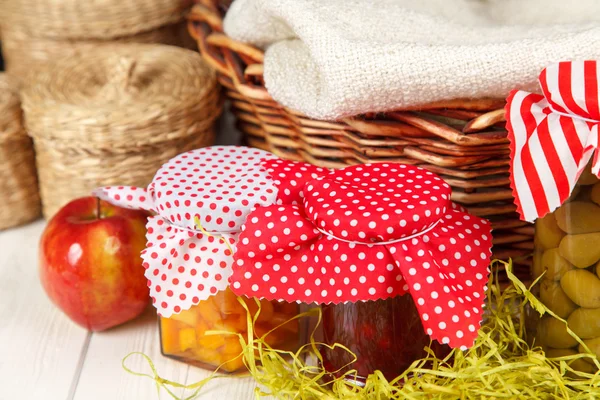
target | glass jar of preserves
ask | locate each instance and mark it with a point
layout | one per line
(567, 256)
(183, 336)
(200, 200)
(391, 275)
(385, 335)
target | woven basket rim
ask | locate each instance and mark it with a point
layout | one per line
(11, 127)
(76, 19)
(121, 95)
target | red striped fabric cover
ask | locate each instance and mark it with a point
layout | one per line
(553, 136)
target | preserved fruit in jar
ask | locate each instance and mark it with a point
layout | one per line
(183, 336)
(567, 253)
(385, 335)
(200, 200)
(389, 284)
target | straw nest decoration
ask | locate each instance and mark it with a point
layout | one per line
(37, 31)
(19, 198)
(462, 140)
(115, 116)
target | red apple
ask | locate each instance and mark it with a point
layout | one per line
(90, 263)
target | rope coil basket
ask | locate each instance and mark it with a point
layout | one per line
(19, 198)
(463, 140)
(115, 116)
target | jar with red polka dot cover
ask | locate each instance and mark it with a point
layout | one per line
(394, 262)
(199, 201)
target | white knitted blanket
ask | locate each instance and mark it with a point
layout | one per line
(335, 58)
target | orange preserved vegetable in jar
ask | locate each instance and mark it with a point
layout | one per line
(183, 336)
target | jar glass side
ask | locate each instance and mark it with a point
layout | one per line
(183, 336)
(567, 257)
(385, 335)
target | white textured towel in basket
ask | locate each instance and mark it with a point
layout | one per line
(336, 58)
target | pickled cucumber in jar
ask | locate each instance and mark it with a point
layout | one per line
(183, 336)
(567, 257)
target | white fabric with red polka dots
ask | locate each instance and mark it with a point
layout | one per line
(365, 233)
(220, 185)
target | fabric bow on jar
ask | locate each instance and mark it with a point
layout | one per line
(553, 136)
(368, 232)
(201, 199)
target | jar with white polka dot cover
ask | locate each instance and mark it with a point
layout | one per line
(382, 246)
(199, 200)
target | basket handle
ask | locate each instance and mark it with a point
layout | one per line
(119, 84)
(121, 77)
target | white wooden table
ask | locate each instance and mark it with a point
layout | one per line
(44, 356)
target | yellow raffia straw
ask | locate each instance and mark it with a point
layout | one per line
(500, 365)
(205, 232)
(165, 383)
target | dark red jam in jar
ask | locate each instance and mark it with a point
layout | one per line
(385, 335)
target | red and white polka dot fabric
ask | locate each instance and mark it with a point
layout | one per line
(290, 177)
(220, 185)
(365, 233)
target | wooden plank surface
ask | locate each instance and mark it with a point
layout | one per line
(40, 348)
(102, 375)
(228, 387)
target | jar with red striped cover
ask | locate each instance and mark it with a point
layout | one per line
(567, 258)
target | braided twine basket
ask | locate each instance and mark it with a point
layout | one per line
(35, 32)
(462, 140)
(115, 116)
(19, 198)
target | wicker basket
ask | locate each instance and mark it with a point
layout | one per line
(37, 31)
(19, 198)
(115, 116)
(20, 49)
(84, 20)
(462, 140)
